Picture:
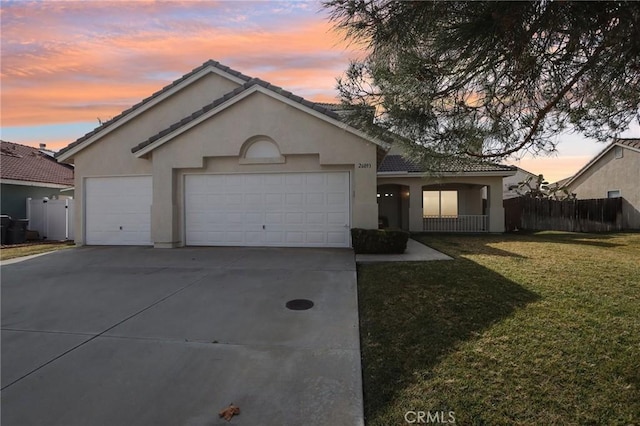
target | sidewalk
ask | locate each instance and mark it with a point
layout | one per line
(415, 252)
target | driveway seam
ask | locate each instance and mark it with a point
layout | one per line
(247, 345)
(103, 332)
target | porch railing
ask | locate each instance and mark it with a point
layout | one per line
(460, 223)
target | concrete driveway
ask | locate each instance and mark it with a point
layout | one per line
(142, 336)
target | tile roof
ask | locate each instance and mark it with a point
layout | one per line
(165, 89)
(26, 163)
(631, 143)
(252, 82)
(334, 110)
(399, 164)
(332, 106)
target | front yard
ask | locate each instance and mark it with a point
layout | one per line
(519, 329)
(27, 249)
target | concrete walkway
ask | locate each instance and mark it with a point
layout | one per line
(140, 336)
(416, 252)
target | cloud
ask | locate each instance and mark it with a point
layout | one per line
(554, 168)
(75, 61)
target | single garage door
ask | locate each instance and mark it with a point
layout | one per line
(118, 210)
(268, 209)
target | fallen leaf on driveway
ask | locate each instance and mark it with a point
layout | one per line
(229, 412)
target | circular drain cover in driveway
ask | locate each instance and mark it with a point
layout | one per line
(299, 304)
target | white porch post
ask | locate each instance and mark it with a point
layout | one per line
(415, 207)
(495, 210)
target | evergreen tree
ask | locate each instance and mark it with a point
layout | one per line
(492, 79)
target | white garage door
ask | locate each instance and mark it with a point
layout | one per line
(268, 209)
(118, 210)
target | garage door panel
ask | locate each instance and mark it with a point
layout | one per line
(274, 218)
(315, 237)
(317, 180)
(336, 199)
(292, 179)
(274, 237)
(334, 218)
(315, 219)
(231, 201)
(118, 210)
(294, 218)
(294, 199)
(337, 238)
(315, 198)
(338, 180)
(275, 209)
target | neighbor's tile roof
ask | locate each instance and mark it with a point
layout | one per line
(252, 82)
(398, 164)
(106, 124)
(332, 106)
(26, 163)
(631, 143)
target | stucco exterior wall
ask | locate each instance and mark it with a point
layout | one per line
(214, 146)
(111, 155)
(609, 174)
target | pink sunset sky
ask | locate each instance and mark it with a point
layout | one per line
(66, 64)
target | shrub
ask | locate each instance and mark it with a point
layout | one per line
(379, 241)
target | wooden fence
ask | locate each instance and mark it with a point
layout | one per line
(534, 214)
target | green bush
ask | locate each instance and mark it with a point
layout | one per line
(379, 241)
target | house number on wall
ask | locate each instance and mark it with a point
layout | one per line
(364, 165)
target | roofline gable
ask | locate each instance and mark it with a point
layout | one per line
(148, 103)
(595, 159)
(235, 96)
(525, 171)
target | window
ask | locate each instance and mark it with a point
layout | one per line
(613, 194)
(440, 203)
(260, 150)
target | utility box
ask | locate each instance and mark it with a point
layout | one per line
(5, 222)
(17, 232)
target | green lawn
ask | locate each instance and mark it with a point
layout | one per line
(519, 329)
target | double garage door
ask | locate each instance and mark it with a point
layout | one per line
(266, 209)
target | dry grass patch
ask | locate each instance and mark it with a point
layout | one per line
(11, 252)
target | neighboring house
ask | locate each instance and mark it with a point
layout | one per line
(28, 172)
(220, 158)
(510, 183)
(615, 172)
(560, 184)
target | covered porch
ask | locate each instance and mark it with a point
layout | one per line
(443, 204)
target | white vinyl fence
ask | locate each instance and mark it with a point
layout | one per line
(53, 219)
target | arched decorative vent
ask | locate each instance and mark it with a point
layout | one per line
(260, 150)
